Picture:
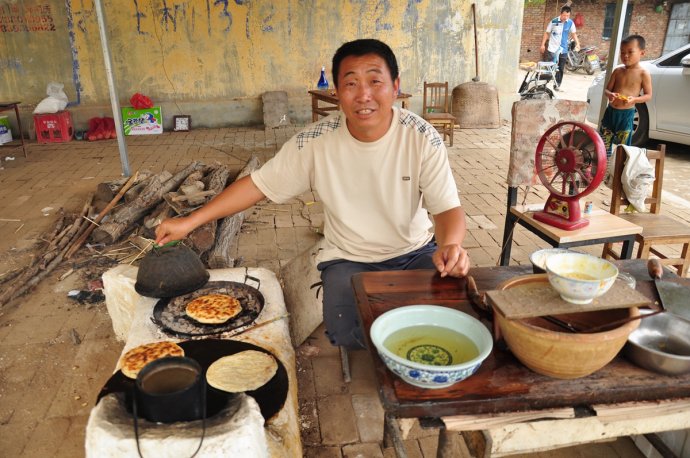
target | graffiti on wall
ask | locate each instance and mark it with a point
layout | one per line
(16, 18)
(172, 16)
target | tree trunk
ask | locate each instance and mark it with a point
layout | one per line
(220, 256)
(131, 213)
(203, 237)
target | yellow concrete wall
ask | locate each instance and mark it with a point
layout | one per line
(214, 58)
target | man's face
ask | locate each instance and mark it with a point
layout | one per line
(564, 16)
(366, 92)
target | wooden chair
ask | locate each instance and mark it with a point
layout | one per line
(435, 109)
(531, 119)
(657, 229)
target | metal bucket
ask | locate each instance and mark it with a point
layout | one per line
(170, 389)
(475, 106)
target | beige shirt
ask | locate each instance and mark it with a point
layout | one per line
(374, 193)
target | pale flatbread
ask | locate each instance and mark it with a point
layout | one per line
(138, 357)
(244, 371)
(213, 308)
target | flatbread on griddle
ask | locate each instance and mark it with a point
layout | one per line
(244, 371)
(213, 308)
(138, 357)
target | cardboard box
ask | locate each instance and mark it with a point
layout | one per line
(147, 121)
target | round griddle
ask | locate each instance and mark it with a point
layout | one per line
(270, 396)
(169, 313)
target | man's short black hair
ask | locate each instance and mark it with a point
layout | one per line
(566, 9)
(630, 38)
(361, 48)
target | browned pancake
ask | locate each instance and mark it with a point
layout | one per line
(136, 358)
(213, 308)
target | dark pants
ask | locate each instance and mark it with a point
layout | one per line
(562, 58)
(340, 315)
(561, 67)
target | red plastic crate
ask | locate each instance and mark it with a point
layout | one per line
(54, 127)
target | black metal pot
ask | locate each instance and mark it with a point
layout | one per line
(170, 389)
(169, 271)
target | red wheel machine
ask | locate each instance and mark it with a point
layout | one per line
(571, 163)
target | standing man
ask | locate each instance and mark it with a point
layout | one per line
(557, 34)
(380, 171)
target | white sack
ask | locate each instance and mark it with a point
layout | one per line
(56, 100)
(637, 177)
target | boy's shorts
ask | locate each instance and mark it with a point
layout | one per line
(616, 127)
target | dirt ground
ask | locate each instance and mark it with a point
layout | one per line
(57, 352)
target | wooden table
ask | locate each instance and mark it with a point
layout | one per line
(603, 227)
(333, 104)
(5, 106)
(503, 387)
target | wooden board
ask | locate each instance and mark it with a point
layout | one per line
(532, 295)
(602, 224)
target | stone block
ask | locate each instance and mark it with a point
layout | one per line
(369, 416)
(337, 420)
(360, 450)
(275, 107)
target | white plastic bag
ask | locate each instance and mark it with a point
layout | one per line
(637, 177)
(56, 100)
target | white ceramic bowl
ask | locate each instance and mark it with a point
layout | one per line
(579, 277)
(427, 375)
(538, 258)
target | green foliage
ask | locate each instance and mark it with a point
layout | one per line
(534, 2)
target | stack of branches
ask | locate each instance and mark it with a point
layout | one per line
(139, 204)
(59, 241)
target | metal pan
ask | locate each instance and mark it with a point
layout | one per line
(270, 397)
(169, 313)
(661, 344)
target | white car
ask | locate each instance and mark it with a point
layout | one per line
(667, 115)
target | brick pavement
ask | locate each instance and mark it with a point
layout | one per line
(338, 419)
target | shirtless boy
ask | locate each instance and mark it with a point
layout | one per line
(623, 91)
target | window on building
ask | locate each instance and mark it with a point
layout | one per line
(610, 17)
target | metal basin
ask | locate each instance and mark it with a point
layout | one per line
(661, 344)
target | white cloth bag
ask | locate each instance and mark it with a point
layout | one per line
(637, 177)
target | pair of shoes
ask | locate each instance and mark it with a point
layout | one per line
(556, 88)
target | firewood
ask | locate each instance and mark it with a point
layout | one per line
(203, 237)
(34, 274)
(160, 213)
(58, 226)
(55, 235)
(220, 256)
(107, 190)
(129, 214)
(193, 177)
(85, 234)
(193, 196)
(68, 235)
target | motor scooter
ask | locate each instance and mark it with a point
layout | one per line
(585, 58)
(537, 78)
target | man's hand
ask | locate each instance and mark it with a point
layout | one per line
(451, 260)
(542, 49)
(173, 229)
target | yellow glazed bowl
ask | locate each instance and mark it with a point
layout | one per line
(549, 350)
